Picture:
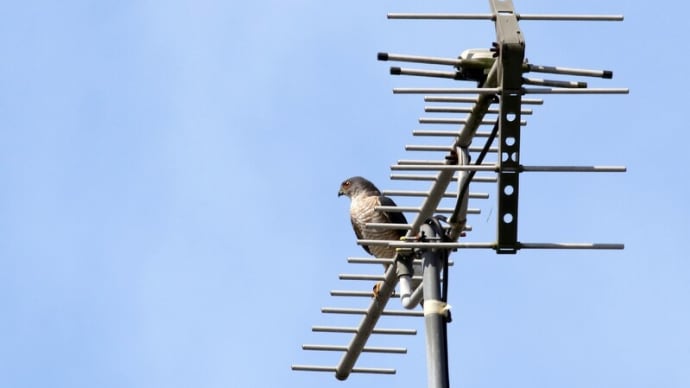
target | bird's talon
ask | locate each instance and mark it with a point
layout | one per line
(377, 289)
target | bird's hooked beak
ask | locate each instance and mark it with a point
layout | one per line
(340, 193)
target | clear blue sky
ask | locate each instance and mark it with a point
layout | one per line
(168, 212)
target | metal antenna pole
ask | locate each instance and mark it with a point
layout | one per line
(435, 313)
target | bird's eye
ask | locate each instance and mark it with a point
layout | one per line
(346, 184)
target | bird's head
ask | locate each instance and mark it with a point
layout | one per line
(355, 186)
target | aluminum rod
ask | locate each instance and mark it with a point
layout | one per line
(477, 179)
(409, 177)
(361, 277)
(352, 276)
(424, 162)
(525, 101)
(442, 133)
(354, 311)
(356, 294)
(465, 109)
(450, 99)
(413, 193)
(419, 209)
(424, 147)
(452, 168)
(418, 59)
(425, 73)
(446, 90)
(569, 71)
(574, 168)
(317, 368)
(487, 91)
(473, 245)
(366, 349)
(489, 16)
(577, 18)
(442, 16)
(576, 91)
(387, 226)
(444, 245)
(446, 120)
(341, 329)
(375, 260)
(370, 260)
(484, 179)
(449, 109)
(605, 246)
(553, 83)
(491, 167)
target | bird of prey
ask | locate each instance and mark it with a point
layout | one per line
(364, 198)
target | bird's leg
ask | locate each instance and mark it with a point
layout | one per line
(377, 289)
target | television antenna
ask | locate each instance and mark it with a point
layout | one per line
(503, 90)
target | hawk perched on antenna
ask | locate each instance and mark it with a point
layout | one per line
(364, 197)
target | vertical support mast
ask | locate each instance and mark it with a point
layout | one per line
(511, 54)
(435, 312)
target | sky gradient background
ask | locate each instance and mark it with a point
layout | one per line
(169, 217)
